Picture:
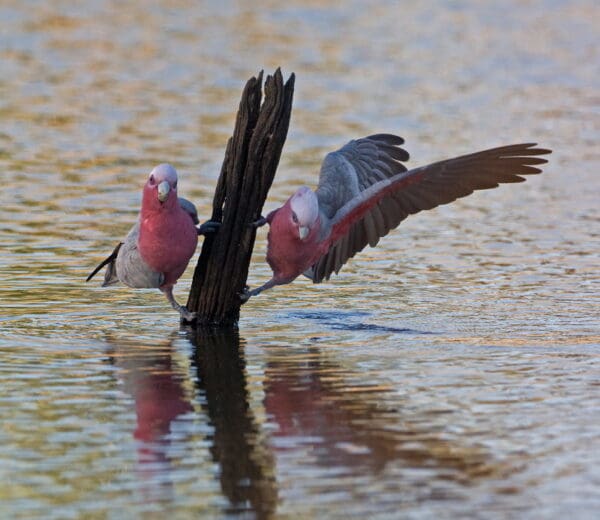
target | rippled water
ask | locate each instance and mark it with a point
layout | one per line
(452, 371)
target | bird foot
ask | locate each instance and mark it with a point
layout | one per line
(210, 226)
(186, 315)
(181, 309)
(258, 223)
(245, 294)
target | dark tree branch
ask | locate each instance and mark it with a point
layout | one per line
(251, 159)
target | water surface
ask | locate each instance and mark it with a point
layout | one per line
(451, 371)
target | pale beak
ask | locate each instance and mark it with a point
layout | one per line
(303, 231)
(163, 191)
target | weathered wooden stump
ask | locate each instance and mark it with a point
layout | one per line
(251, 159)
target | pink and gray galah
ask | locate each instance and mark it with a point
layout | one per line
(365, 191)
(159, 246)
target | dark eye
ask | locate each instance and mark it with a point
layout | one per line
(175, 185)
(152, 181)
(294, 218)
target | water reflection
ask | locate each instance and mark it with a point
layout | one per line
(162, 392)
(351, 425)
(247, 467)
(333, 421)
(149, 376)
(336, 417)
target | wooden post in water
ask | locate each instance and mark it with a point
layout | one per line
(251, 159)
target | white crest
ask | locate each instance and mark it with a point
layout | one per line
(305, 205)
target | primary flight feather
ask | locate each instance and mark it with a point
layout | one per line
(365, 191)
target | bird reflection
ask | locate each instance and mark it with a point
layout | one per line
(306, 399)
(311, 401)
(247, 469)
(161, 392)
(311, 397)
(149, 376)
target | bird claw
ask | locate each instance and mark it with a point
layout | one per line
(258, 223)
(210, 226)
(186, 315)
(245, 294)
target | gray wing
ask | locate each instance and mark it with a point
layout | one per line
(131, 269)
(346, 173)
(356, 166)
(382, 206)
(126, 265)
(190, 209)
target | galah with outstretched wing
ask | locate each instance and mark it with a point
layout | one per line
(365, 191)
(159, 246)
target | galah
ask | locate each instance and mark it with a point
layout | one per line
(365, 191)
(159, 246)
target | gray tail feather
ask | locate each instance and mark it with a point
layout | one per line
(110, 276)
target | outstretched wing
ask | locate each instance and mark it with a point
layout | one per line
(356, 166)
(383, 205)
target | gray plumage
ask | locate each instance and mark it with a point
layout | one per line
(365, 191)
(129, 267)
(356, 166)
(125, 263)
(189, 208)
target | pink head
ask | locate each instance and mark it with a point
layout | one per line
(160, 190)
(304, 211)
(293, 236)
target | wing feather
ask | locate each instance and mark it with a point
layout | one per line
(189, 208)
(130, 266)
(110, 276)
(355, 167)
(384, 204)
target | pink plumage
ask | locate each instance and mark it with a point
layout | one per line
(168, 236)
(158, 248)
(287, 254)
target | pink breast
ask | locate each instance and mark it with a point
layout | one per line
(167, 242)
